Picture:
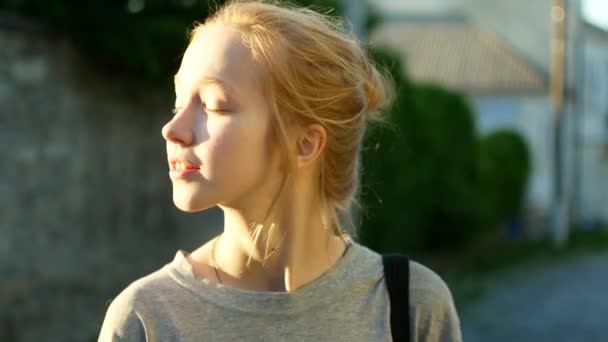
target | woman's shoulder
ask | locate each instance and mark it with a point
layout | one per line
(125, 314)
(427, 287)
(139, 295)
(145, 286)
(432, 310)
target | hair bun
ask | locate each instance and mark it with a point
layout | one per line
(378, 91)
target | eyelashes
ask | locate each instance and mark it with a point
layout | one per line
(175, 110)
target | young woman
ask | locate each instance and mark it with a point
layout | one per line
(271, 107)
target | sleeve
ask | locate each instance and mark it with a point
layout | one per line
(122, 322)
(433, 316)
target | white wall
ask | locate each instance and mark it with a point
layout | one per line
(593, 168)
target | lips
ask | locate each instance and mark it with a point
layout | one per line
(180, 168)
(182, 165)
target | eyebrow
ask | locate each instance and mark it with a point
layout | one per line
(206, 80)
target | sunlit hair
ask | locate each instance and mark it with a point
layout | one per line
(313, 71)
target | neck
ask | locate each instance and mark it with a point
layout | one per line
(298, 248)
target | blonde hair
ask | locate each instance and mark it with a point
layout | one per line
(315, 71)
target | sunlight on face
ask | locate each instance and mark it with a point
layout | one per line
(217, 141)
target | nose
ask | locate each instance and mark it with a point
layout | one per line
(179, 129)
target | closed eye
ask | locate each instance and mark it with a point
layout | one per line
(215, 110)
(177, 109)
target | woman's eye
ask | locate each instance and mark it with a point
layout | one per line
(216, 109)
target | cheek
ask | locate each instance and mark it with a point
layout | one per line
(237, 151)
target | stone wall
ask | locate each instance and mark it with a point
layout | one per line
(85, 198)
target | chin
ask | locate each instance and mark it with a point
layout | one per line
(190, 204)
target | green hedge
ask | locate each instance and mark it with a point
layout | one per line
(428, 182)
(504, 168)
(419, 176)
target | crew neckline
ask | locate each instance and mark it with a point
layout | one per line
(322, 289)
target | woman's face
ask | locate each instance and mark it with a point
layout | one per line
(218, 142)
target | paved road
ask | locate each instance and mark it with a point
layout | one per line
(559, 301)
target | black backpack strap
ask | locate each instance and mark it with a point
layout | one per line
(397, 278)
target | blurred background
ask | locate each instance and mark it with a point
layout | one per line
(493, 172)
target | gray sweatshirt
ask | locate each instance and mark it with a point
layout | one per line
(349, 302)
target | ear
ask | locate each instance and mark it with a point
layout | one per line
(310, 144)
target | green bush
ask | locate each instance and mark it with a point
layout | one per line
(504, 168)
(427, 182)
(419, 176)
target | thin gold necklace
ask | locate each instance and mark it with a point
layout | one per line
(213, 260)
(347, 244)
